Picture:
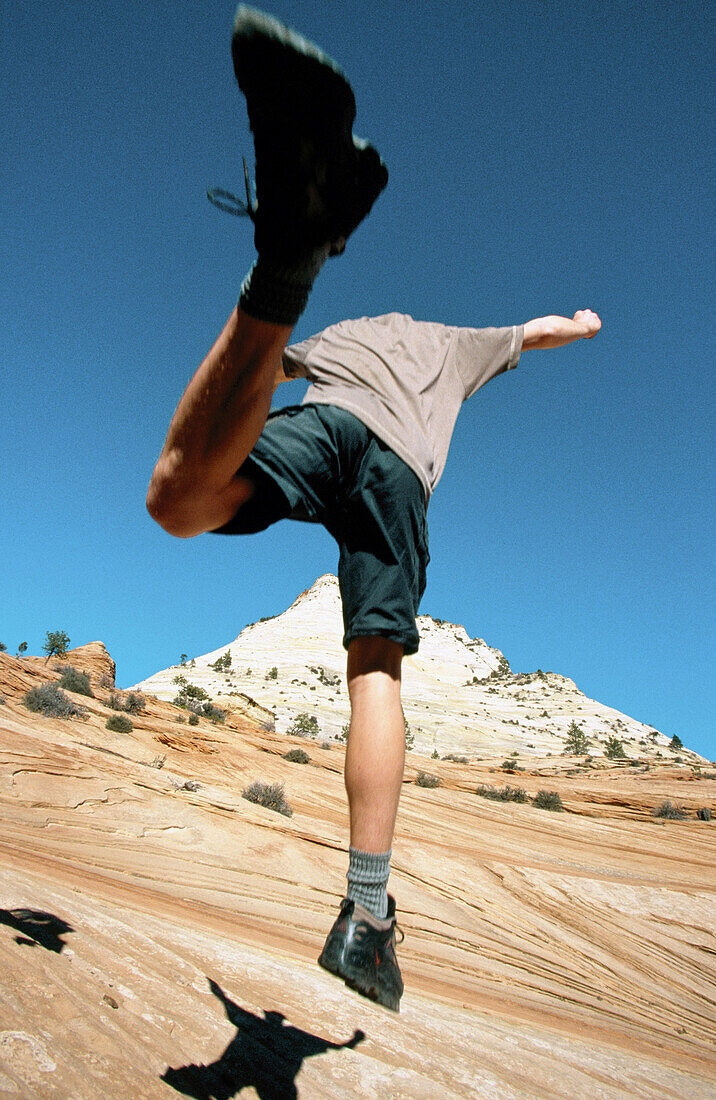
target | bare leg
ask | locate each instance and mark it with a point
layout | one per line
(220, 416)
(375, 757)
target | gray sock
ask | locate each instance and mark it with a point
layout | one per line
(367, 876)
(277, 291)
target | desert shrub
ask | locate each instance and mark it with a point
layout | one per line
(134, 702)
(205, 709)
(297, 756)
(119, 723)
(131, 703)
(56, 643)
(270, 795)
(343, 735)
(158, 762)
(704, 814)
(425, 779)
(504, 794)
(272, 674)
(74, 680)
(548, 800)
(49, 699)
(305, 725)
(510, 766)
(2, 700)
(435, 755)
(456, 759)
(328, 679)
(614, 749)
(577, 743)
(668, 810)
(325, 744)
(193, 719)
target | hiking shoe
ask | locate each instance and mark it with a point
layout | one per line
(360, 948)
(315, 181)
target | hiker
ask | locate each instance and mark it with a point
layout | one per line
(362, 454)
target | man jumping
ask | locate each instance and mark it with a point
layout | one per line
(362, 454)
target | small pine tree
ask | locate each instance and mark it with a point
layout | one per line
(22, 649)
(3, 647)
(676, 743)
(56, 644)
(183, 658)
(614, 749)
(577, 743)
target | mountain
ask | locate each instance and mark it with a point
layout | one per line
(459, 694)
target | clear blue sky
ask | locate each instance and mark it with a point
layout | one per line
(544, 158)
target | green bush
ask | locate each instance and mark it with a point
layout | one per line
(667, 810)
(134, 702)
(425, 779)
(119, 723)
(548, 800)
(205, 709)
(297, 756)
(272, 674)
(614, 749)
(676, 743)
(270, 795)
(343, 735)
(49, 699)
(74, 680)
(455, 758)
(305, 725)
(504, 794)
(193, 719)
(511, 766)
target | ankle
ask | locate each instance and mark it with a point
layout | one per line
(276, 291)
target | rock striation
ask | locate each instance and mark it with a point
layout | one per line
(459, 693)
(159, 933)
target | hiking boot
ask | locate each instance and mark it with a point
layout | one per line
(315, 181)
(360, 948)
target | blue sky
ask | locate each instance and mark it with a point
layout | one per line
(544, 158)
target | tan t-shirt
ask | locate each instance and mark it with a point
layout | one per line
(405, 379)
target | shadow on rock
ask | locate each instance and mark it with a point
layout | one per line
(265, 1054)
(37, 927)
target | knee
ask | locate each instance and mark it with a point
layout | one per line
(170, 505)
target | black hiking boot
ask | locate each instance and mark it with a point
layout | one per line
(315, 181)
(360, 948)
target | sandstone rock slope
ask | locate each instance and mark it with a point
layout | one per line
(158, 932)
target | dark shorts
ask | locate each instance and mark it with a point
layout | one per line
(320, 464)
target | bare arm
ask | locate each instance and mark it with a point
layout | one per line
(555, 332)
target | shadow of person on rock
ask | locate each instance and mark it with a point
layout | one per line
(37, 927)
(265, 1054)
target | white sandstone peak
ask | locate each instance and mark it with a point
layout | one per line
(459, 694)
